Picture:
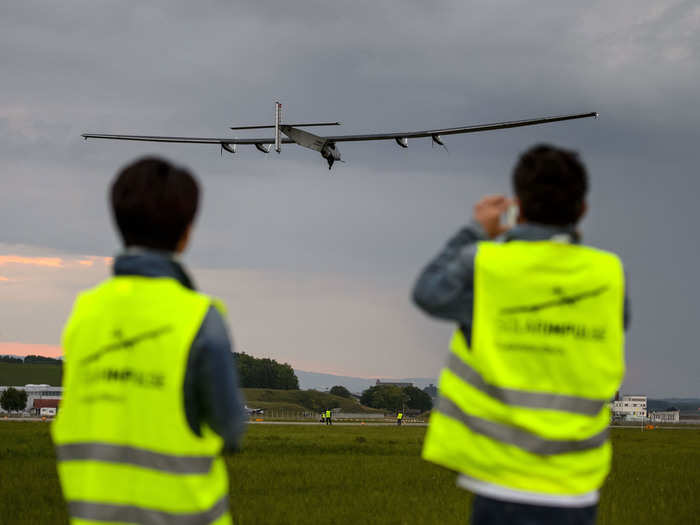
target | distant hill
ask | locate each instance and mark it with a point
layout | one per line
(300, 400)
(319, 381)
(688, 406)
(50, 374)
(20, 374)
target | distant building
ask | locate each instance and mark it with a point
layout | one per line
(672, 415)
(45, 407)
(389, 383)
(629, 408)
(35, 392)
(431, 390)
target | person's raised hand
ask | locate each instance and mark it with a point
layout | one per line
(488, 212)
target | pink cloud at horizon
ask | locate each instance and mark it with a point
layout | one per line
(54, 262)
(26, 267)
(15, 348)
(309, 367)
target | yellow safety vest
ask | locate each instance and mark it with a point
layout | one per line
(526, 406)
(328, 413)
(400, 416)
(126, 453)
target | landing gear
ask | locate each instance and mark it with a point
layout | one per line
(330, 160)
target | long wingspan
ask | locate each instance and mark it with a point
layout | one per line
(184, 140)
(453, 131)
(348, 138)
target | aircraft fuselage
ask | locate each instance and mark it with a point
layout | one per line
(328, 149)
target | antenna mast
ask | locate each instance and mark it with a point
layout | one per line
(278, 119)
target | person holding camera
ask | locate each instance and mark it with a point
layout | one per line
(537, 353)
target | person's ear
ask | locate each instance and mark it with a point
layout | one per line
(584, 209)
(184, 240)
(520, 219)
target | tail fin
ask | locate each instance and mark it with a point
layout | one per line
(293, 125)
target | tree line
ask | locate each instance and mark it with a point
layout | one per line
(253, 372)
(13, 400)
(395, 398)
(31, 359)
(256, 372)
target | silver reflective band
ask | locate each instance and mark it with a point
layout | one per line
(517, 437)
(132, 514)
(509, 396)
(134, 456)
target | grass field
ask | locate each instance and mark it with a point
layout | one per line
(363, 474)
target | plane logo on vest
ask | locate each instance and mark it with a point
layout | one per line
(125, 343)
(533, 320)
(129, 374)
(563, 300)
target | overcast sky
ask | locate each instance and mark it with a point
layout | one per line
(317, 269)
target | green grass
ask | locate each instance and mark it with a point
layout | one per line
(16, 374)
(343, 475)
(655, 477)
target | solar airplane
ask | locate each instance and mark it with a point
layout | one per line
(327, 146)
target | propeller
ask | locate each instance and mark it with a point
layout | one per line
(437, 139)
(231, 148)
(331, 164)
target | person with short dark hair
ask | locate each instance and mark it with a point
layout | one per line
(154, 204)
(550, 185)
(537, 353)
(151, 395)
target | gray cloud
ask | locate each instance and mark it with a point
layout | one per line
(196, 68)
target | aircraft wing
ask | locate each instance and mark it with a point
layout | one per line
(184, 140)
(454, 131)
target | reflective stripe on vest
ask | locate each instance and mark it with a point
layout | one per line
(130, 514)
(125, 450)
(580, 405)
(526, 406)
(134, 456)
(513, 436)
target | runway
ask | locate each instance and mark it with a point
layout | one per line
(687, 426)
(337, 423)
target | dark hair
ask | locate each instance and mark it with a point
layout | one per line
(154, 202)
(551, 184)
